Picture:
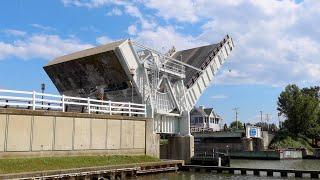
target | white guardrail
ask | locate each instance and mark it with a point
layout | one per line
(36, 101)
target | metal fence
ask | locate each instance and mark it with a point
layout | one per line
(37, 101)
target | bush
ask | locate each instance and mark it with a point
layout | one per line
(285, 140)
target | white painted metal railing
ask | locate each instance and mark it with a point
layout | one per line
(34, 100)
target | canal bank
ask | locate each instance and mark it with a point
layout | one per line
(170, 169)
(97, 172)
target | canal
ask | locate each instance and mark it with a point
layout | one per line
(275, 164)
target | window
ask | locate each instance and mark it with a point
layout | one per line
(217, 121)
(196, 120)
(200, 120)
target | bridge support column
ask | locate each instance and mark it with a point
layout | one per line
(248, 144)
(181, 147)
(152, 140)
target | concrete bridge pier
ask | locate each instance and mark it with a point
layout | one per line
(181, 147)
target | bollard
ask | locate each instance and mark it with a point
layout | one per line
(219, 161)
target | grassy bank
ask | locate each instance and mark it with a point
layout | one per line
(53, 163)
(284, 140)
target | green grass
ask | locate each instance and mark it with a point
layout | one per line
(54, 163)
(284, 140)
(163, 141)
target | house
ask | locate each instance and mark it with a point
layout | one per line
(205, 119)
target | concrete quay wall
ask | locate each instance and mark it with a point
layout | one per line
(48, 133)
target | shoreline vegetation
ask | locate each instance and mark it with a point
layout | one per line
(301, 109)
(285, 140)
(19, 165)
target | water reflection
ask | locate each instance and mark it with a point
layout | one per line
(199, 175)
(276, 164)
(284, 164)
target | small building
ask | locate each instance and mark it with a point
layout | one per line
(253, 131)
(205, 119)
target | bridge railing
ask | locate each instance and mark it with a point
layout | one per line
(40, 101)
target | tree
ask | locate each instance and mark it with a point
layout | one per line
(301, 109)
(267, 127)
(314, 131)
(233, 125)
(273, 127)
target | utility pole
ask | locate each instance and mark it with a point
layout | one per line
(267, 121)
(267, 114)
(236, 112)
(261, 116)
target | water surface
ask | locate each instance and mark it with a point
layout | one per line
(305, 164)
(269, 164)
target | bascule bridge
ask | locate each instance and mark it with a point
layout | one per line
(169, 84)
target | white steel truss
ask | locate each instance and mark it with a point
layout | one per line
(162, 84)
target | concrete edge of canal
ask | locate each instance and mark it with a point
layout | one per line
(132, 170)
(110, 172)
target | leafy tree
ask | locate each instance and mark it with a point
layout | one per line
(273, 127)
(314, 131)
(301, 109)
(233, 125)
(267, 127)
(312, 92)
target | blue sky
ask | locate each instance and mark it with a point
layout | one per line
(277, 42)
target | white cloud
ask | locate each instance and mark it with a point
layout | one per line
(182, 10)
(103, 40)
(43, 27)
(164, 38)
(135, 12)
(15, 32)
(92, 3)
(115, 12)
(40, 46)
(132, 30)
(276, 42)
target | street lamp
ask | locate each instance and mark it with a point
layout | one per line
(43, 88)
